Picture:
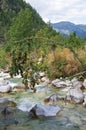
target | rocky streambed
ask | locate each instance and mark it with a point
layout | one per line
(56, 105)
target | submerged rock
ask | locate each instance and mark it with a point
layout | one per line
(6, 111)
(75, 95)
(43, 110)
(6, 102)
(11, 117)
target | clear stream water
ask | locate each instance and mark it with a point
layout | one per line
(71, 116)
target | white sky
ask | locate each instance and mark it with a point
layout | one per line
(61, 10)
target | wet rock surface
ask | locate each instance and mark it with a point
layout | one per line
(44, 110)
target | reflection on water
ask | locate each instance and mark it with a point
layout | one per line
(71, 117)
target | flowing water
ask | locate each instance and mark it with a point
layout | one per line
(71, 117)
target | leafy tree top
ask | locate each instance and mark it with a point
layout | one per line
(27, 23)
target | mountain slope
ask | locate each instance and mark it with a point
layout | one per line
(26, 24)
(67, 27)
(9, 10)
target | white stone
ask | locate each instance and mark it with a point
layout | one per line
(3, 81)
(75, 95)
(60, 84)
(76, 83)
(41, 74)
(5, 88)
(84, 83)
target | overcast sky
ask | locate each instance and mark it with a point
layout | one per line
(61, 10)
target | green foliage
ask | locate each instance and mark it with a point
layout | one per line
(83, 63)
(47, 32)
(3, 57)
(73, 41)
(26, 24)
(22, 62)
(8, 10)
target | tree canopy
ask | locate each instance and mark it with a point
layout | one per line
(26, 24)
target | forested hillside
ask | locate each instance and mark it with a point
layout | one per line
(9, 10)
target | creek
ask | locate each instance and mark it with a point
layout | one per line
(71, 116)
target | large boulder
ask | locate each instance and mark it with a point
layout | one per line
(75, 95)
(43, 110)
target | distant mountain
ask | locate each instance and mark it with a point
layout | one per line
(66, 28)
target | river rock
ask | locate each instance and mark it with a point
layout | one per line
(61, 84)
(5, 88)
(76, 83)
(3, 81)
(16, 86)
(75, 95)
(84, 84)
(53, 98)
(19, 87)
(43, 110)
